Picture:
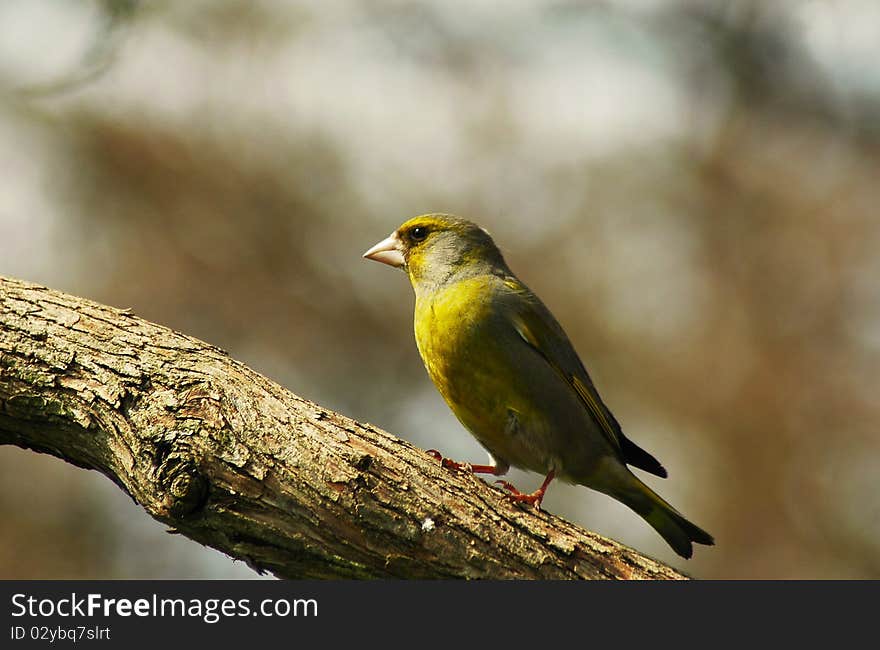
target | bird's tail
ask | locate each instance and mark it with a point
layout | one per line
(666, 520)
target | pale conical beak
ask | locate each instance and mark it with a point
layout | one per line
(388, 251)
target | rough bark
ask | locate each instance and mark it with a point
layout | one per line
(236, 462)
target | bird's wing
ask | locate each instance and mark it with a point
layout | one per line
(539, 329)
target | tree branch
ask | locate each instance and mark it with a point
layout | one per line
(236, 462)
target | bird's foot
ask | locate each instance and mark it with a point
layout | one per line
(535, 498)
(448, 463)
(515, 495)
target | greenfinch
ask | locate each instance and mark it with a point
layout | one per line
(508, 371)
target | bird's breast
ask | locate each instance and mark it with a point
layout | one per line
(449, 329)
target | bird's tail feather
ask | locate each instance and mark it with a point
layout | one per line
(666, 520)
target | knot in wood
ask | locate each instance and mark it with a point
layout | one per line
(186, 490)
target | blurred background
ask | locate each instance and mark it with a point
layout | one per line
(691, 186)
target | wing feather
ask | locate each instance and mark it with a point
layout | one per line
(539, 329)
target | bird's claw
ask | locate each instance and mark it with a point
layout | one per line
(515, 495)
(448, 463)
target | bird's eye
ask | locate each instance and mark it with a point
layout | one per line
(418, 233)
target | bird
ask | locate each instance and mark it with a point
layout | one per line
(510, 374)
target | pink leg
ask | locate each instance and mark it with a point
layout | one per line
(535, 497)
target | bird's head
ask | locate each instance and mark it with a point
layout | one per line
(434, 248)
